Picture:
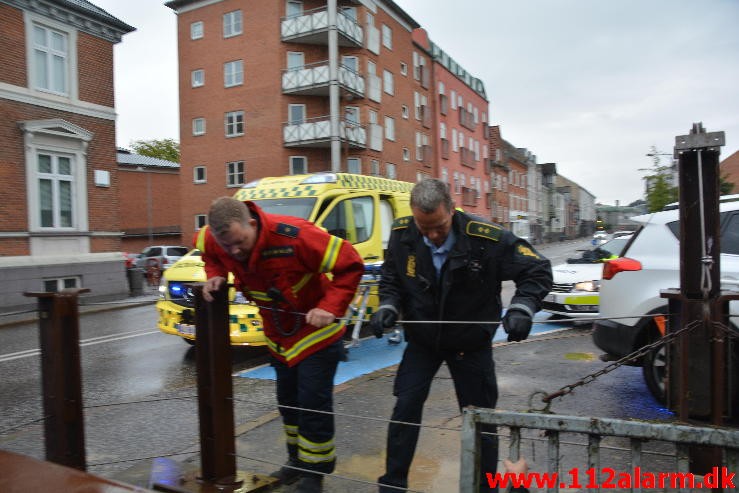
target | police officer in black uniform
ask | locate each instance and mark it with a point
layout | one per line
(445, 265)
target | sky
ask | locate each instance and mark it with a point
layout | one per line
(590, 85)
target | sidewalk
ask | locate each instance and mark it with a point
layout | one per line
(364, 404)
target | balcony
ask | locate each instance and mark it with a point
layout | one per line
(469, 197)
(443, 104)
(316, 132)
(445, 148)
(467, 157)
(312, 28)
(425, 155)
(313, 80)
(426, 116)
(467, 119)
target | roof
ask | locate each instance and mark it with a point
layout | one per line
(88, 8)
(126, 157)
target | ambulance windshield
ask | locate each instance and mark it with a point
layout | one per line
(298, 207)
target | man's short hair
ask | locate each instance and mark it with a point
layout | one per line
(226, 210)
(428, 194)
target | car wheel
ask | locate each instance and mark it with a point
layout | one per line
(654, 369)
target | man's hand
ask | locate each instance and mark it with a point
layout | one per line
(384, 318)
(318, 317)
(517, 325)
(212, 285)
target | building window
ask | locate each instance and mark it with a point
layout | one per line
(390, 171)
(406, 154)
(295, 60)
(298, 165)
(50, 59)
(372, 116)
(198, 126)
(351, 63)
(442, 130)
(235, 173)
(233, 73)
(55, 191)
(404, 111)
(200, 221)
(387, 37)
(403, 68)
(196, 30)
(293, 8)
(234, 122)
(56, 285)
(197, 78)
(198, 174)
(389, 128)
(375, 167)
(351, 114)
(389, 82)
(445, 175)
(455, 142)
(441, 88)
(296, 114)
(354, 165)
(453, 100)
(232, 24)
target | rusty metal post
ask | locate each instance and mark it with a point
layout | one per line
(215, 389)
(61, 377)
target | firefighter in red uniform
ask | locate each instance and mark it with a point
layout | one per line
(280, 263)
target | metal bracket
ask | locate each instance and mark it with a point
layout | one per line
(698, 138)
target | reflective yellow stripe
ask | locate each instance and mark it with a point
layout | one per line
(259, 295)
(308, 341)
(331, 254)
(316, 452)
(200, 242)
(301, 283)
(291, 434)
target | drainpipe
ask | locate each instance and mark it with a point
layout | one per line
(333, 71)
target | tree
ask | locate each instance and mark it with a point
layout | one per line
(660, 188)
(168, 149)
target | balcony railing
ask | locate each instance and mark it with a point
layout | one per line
(312, 28)
(466, 119)
(426, 116)
(316, 132)
(443, 104)
(445, 148)
(467, 157)
(314, 80)
(469, 197)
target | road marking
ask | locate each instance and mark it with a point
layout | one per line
(28, 353)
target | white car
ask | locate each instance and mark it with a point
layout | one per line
(576, 284)
(631, 286)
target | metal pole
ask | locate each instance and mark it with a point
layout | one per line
(334, 102)
(215, 389)
(61, 377)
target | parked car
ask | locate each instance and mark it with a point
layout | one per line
(161, 256)
(576, 286)
(631, 285)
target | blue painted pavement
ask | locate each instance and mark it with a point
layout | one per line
(374, 354)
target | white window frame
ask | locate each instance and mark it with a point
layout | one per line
(56, 180)
(442, 88)
(390, 128)
(442, 130)
(353, 62)
(195, 173)
(372, 116)
(297, 12)
(445, 175)
(69, 56)
(406, 154)
(404, 111)
(233, 23)
(388, 82)
(62, 283)
(234, 123)
(375, 167)
(197, 30)
(293, 57)
(403, 68)
(351, 114)
(354, 160)
(455, 142)
(197, 78)
(387, 37)
(453, 100)
(235, 177)
(233, 73)
(196, 130)
(302, 110)
(391, 171)
(291, 164)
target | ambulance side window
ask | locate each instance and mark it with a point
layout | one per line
(351, 219)
(386, 222)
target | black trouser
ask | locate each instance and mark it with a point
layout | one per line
(473, 374)
(310, 385)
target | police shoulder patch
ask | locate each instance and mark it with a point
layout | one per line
(484, 230)
(402, 222)
(289, 230)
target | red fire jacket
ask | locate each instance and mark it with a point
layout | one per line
(286, 277)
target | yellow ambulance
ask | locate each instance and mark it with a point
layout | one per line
(357, 208)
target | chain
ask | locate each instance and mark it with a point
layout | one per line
(567, 389)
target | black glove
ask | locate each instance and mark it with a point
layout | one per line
(517, 324)
(382, 319)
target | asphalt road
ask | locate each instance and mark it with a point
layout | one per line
(139, 385)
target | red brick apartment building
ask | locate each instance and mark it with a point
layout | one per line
(460, 121)
(284, 87)
(59, 219)
(499, 169)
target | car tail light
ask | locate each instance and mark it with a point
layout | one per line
(165, 260)
(613, 267)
